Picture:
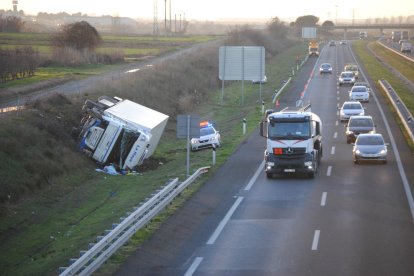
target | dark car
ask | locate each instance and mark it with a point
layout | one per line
(325, 68)
(358, 125)
(370, 147)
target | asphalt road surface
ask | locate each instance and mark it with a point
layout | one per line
(349, 220)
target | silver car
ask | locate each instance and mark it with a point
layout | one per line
(346, 77)
(363, 83)
(350, 108)
(370, 147)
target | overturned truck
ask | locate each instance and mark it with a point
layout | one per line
(120, 132)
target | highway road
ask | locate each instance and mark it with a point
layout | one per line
(349, 220)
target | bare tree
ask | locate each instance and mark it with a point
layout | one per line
(11, 24)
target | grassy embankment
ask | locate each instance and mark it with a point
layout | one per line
(43, 231)
(378, 71)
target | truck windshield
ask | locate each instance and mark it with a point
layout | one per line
(289, 130)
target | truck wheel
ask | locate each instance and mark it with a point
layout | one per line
(269, 175)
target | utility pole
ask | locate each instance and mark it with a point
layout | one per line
(170, 18)
(155, 31)
(353, 17)
(336, 14)
(165, 17)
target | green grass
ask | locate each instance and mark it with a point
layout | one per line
(54, 224)
(378, 71)
(133, 47)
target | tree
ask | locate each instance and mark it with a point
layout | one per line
(277, 28)
(79, 35)
(306, 21)
(327, 24)
(11, 24)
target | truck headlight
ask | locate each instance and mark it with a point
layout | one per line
(270, 164)
(308, 163)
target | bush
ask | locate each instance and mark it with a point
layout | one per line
(79, 35)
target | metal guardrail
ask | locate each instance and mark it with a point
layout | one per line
(395, 51)
(90, 260)
(402, 110)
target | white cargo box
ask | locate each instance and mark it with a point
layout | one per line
(140, 118)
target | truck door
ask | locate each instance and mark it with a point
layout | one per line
(106, 144)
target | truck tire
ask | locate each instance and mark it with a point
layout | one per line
(316, 160)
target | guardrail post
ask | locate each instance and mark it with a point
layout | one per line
(244, 126)
(214, 155)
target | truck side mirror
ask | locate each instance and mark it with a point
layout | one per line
(263, 129)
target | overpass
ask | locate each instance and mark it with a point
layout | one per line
(380, 27)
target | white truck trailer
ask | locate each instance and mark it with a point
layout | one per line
(120, 132)
(293, 141)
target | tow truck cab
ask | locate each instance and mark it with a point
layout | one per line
(293, 142)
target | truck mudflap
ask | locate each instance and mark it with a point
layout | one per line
(306, 163)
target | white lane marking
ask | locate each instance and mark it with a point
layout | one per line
(337, 92)
(335, 135)
(316, 239)
(338, 98)
(329, 171)
(337, 113)
(404, 179)
(323, 199)
(336, 123)
(333, 150)
(197, 261)
(224, 221)
(337, 104)
(255, 176)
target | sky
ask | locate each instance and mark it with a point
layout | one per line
(222, 9)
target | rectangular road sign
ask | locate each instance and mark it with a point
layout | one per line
(241, 63)
(182, 126)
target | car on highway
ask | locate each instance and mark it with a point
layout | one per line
(346, 77)
(332, 43)
(209, 137)
(358, 125)
(353, 68)
(370, 147)
(406, 47)
(325, 68)
(359, 93)
(342, 42)
(363, 83)
(350, 108)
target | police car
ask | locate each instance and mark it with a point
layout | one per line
(209, 137)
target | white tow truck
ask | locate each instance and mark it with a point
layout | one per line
(293, 141)
(120, 132)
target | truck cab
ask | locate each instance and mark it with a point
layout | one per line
(293, 142)
(313, 48)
